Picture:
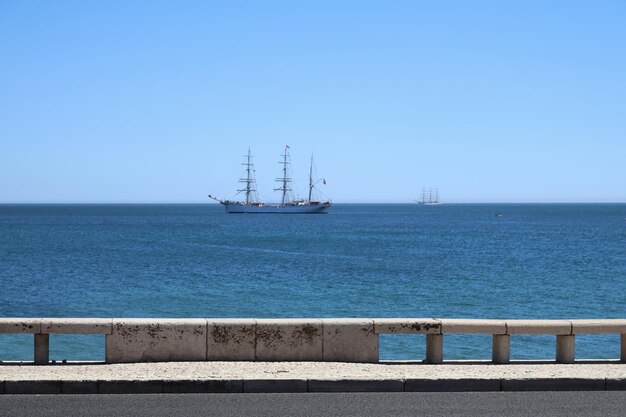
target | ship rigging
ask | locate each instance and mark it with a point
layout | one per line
(287, 205)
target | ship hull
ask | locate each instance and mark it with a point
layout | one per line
(295, 209)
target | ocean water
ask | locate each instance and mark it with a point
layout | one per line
(359, 260)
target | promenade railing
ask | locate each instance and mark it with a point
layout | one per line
(334, 340)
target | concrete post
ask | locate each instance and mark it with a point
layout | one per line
(623, 348)
(42, 349)
(434, 348)
(107, 354)
(565, 348)
(501, 352)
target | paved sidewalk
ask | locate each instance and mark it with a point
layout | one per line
(309, 377)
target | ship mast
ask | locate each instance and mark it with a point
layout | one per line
(285, 180)
(311, 179)
(249, 180)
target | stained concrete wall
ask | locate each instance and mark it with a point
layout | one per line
(146, 340)
(231, 339)
(289, 340)
(349, 340)
(157, 340)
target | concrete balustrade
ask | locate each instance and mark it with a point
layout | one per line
(562, 329)
(497, 328)
(430, 327)
(330, 340)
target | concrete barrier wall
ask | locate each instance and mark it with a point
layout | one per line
(341, 340)
(163, 340)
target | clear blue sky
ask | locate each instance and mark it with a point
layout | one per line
(158, 101)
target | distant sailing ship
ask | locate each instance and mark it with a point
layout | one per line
(429, 198)
(251, 204)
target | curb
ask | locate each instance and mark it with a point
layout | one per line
(313, 385)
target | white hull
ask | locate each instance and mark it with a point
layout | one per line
(277, 209)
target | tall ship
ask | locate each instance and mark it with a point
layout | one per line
(287, 205)
(430, 197)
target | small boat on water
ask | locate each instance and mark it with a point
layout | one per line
(429, 198)
(252, 205)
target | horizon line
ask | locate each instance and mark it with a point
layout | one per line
(341, 202)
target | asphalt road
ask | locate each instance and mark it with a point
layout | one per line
(500, 404)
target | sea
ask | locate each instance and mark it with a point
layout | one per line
(531, 261)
